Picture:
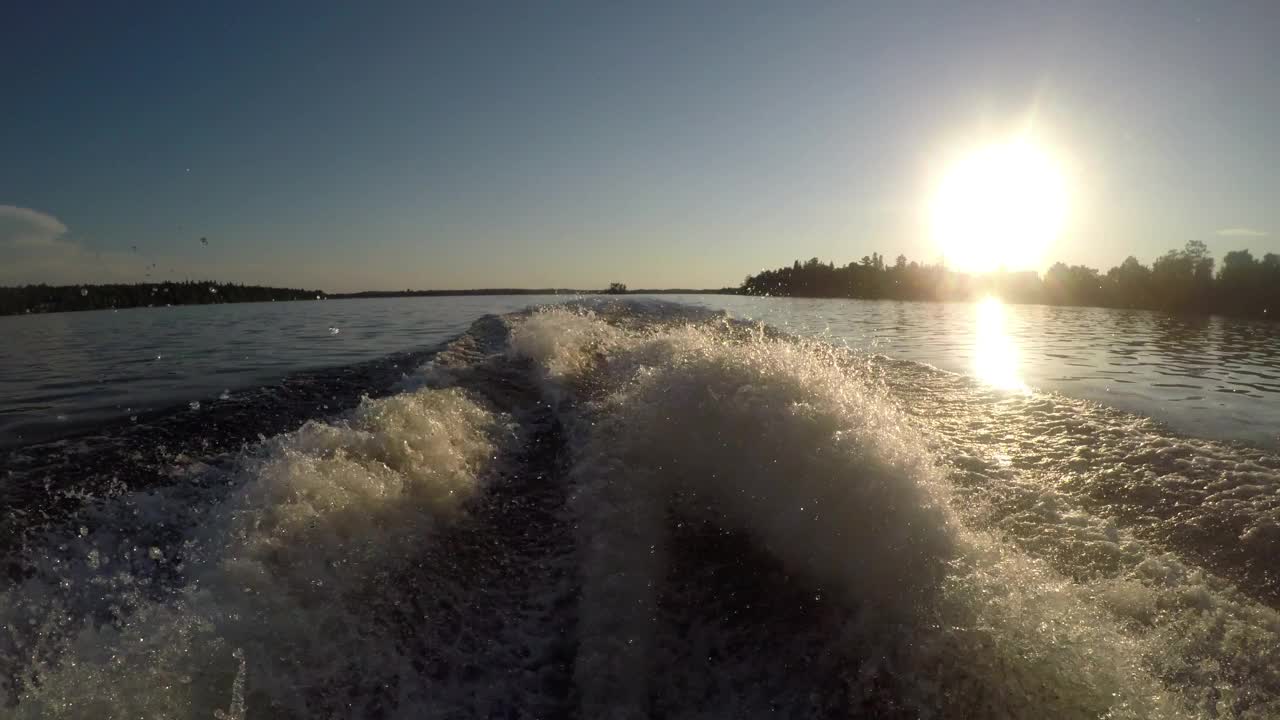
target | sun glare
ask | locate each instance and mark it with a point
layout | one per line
(999, 207)
(995, 359)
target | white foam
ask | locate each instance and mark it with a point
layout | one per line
(962, 570)
(794, 444)
(281, 603)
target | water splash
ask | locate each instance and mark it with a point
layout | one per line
(236, 711)
(289, 568)
(753, 524)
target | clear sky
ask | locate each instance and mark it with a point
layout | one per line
(352, 146)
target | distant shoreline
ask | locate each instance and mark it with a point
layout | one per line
(1179, 281)
(45, 299)
(526, 291)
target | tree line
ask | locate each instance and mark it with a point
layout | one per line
(61, 298)
(1185, 280)
(64, 298)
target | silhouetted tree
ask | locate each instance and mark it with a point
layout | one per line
(58, 298)
(1179, 280)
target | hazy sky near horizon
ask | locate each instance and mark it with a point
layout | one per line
(335, 145)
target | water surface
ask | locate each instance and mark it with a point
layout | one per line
(61, 372)
(1208, 376)
(640, 509)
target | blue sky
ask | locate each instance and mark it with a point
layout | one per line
(348, 147)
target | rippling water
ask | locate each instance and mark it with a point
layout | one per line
(639, 509)
(62, 372)
(1208, 376)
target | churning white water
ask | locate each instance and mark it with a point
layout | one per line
(634, 510)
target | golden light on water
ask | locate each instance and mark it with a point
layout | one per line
(1001, 205)
(995, 354)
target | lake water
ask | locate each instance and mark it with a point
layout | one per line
(644, 510)
(1207, 376)
(63, 372)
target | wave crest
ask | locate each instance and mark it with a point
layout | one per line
(797, 447)
(282, 583)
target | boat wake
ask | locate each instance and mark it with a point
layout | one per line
(623, 509)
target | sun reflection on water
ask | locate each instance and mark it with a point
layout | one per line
(995, 357)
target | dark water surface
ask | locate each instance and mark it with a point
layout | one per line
(640, 509)
(62, 372)
(1212, 377)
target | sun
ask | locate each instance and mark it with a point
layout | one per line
(999, 206)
